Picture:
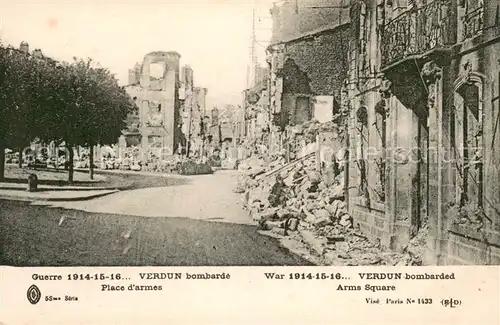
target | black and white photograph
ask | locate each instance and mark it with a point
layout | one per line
(249, 133)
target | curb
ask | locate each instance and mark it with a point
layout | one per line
(70, 189)
(145, 173)
(284, 243)
(81, 198)
(57, 199)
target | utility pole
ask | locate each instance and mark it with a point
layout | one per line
(254, 54)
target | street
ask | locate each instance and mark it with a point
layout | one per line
(200, 223)
(202, 197)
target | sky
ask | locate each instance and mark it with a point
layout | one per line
(212, 36)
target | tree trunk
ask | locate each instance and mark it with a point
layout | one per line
(91, 162)
(2, 162)
(20, 158)
(71, 159)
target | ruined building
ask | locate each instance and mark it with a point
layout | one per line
(308, 62)
(198, 114)
(186, 97)
(193, 107)
(154, 86)
(424, 89)
(256, 106)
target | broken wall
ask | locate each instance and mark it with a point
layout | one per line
(472, 228)
(323, 59)
(157, 97)
(310, 67)
(299, 18)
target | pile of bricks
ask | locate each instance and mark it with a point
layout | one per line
(293, 200)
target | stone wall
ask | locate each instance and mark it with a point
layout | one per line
(299, 18)
(468, 248)
(304, 68)
(158, 102)
(435, 106)
(322, 59)
(473, 232)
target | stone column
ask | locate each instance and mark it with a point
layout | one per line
(390, 167)
(415, 174)
(436, 240)
(392, 180)
(171, 100)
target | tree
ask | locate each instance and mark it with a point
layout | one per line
(110, 108)
(75, 103)
(15, 101)
(93, 108)
(107, 107)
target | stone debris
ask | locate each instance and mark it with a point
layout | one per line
(294, 198)
(64, 218)
(175, 164)
(127, 248)
(126, 234)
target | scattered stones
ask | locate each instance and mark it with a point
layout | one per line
(295, 201)
(127, 248)
(342, 246)
(269, 225)
(64, 219)
(346, 221)
(335, 193)
(269, 213)
(126, 234)
(318, 244)
(322, 218)
(292, 224)
(279, 231)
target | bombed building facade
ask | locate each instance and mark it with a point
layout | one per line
(423, 93)
(255, 126)
(193, 112)
(199, 113)
(406, 93)
(308, 62)
(170, 108)
(154, 86)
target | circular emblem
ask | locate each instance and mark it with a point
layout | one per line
(34, 294)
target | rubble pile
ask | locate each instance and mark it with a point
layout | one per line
(294, 200)
(309, 130)
(190, 167)
(175, 165)
(294, 195)
(214, 161)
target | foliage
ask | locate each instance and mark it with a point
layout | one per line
(76, 102)
(15, 68)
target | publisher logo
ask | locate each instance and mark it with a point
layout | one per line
(34, 294)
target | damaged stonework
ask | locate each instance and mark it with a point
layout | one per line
(307, 66)
(423, 81)
(193, 113)
(307, 210)
(154, 86)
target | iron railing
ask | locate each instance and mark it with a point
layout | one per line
(473, 19)
(417, 31)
